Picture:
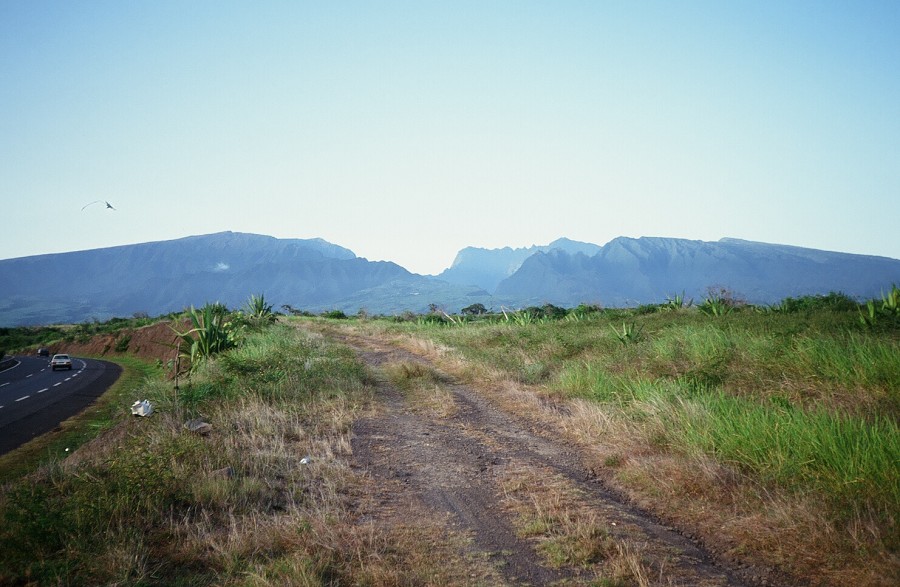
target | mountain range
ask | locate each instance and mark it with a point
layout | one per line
(315, 275)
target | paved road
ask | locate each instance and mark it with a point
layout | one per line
(34, 399)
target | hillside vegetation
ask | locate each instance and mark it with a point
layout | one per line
(771, 433)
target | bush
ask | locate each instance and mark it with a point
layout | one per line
(474, 310)
(836, 301)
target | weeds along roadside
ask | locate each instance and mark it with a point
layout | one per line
(151, 502)
(777, 432)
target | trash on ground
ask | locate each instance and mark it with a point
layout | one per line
(141, 408)
(305, 460)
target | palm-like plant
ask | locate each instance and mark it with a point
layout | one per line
(210, 334)
(629, 334)
(258, 310)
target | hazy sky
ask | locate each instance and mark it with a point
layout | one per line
(408, 130)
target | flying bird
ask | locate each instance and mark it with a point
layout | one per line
(108, 205)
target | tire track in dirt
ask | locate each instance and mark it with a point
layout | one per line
(453, 466)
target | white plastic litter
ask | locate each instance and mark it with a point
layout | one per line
(141, 408)
(305, 460)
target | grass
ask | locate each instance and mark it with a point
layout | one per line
(568, 532)
(772, 435)
(797, 408)
(149, 502)
(422, 386)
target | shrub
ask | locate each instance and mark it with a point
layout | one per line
(211, 334)
(720, 301)
(836, 301)
(885, 313)
(474, 310)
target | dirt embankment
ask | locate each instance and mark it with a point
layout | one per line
(155, 342)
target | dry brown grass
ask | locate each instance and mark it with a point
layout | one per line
(735, 517)
(566, 530)
(423, 388)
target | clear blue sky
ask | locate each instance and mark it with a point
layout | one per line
(408, 130)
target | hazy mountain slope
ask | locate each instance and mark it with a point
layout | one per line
(629, 271)
(486, 268)
(167, 276)
(314, 275)
(415, 296)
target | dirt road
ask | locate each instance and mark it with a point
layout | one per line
(524, 495)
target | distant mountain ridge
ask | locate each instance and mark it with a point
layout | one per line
(629, 271)
(167, 276)
(486, 268)
(315, 275)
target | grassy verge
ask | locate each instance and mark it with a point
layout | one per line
(238, 478)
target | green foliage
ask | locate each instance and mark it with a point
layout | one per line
(720, 301)
(629, 334)
(715, 305)
(22, 337)
(583, 312)
(431, 320)
(211, 333)
(474, 310)
(523, 318)
(334, 315)
(835, 301)
(289, 309)
(259, 309)
(677, 302)
(647, 309)
(258, 313)
(848, 459)
(883, 313)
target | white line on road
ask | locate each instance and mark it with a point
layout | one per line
(4, 384)
(29, 375)
(67, 379)
(43, 390)
(56, 384)
(23, 397)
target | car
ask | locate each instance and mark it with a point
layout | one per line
(43, 352)
(61, 362)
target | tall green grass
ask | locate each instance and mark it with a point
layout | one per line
(855, 361)
(853, 462)
(805, 401)
(849, 461)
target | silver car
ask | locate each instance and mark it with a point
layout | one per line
(61, 362)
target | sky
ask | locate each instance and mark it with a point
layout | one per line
(406, 131)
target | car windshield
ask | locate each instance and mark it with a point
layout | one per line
(62, 357)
